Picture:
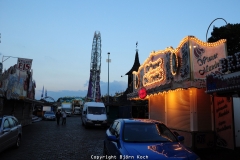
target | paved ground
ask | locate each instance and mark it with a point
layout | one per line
(219, 154)
(44, 140)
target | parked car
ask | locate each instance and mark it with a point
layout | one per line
(144, 139)
(10, 132)
(49, 115)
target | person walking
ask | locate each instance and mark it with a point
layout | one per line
(64, 117)
(58, 116)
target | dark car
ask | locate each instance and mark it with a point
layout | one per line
(10, 132)
(49, 115)
(144, 139)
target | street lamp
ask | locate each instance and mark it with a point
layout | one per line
(7, 57)
(211, 24)
(108, 61)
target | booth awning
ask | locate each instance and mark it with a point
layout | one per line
(227, 84)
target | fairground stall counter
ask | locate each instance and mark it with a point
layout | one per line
(174, 82)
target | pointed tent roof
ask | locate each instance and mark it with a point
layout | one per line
(136, 64)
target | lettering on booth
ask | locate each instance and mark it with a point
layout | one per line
(224, 121)
(24, 64)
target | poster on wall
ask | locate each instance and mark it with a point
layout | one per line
(224, 122)
(205, 59)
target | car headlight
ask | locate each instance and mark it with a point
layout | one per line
(89, 120)
(104, 121)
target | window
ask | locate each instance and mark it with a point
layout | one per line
(6, 124)
(147, 132)
(117, 129)
(11, 122)
(113, 127)
(96, 110)
(15, 121)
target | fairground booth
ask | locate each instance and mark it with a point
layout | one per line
(174, 83)
(17, 91)
(225, 90)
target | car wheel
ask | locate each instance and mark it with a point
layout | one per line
(18, 142)
(86, 126)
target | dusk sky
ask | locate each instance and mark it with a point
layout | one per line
(58, 36)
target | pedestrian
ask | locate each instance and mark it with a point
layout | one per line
(58, 116)
(64, 117)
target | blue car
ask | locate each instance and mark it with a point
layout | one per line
(143, 139)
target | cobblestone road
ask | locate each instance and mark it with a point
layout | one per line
(46, 140)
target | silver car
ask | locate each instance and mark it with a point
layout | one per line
(10, 132)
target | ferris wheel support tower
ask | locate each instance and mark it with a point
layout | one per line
(94, 92)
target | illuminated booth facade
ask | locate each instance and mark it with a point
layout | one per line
(174, 83)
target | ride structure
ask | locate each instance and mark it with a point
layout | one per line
(94, 92)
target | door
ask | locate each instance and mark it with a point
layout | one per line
(6, 136)
(236, 112)
(14, 130)
(111, 146)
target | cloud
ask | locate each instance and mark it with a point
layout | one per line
(115, 86)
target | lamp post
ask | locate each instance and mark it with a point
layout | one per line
(211, 24)
(1, 64)
(108, 61)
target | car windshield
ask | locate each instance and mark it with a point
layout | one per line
(147, 132)
(96, 110)
(67, 110)
(49, 112)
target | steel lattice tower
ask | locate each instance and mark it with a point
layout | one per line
(94, 92)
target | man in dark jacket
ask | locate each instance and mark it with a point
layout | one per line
(58, 116)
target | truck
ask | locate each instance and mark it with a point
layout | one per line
(76, 106)
(46, 108)
(94, 114)
(67, 107)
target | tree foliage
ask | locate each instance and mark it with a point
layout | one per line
(230, 32)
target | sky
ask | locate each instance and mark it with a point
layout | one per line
(58, 36)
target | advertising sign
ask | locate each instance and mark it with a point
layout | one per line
(184, 69)
(206, 59)
(142, 93)
(24, 64)
(224, 122)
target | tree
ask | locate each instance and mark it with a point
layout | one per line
(230, 32)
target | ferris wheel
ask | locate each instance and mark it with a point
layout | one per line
(94, 92)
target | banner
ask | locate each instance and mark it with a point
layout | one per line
(206, 59)
(24, 64)
(224, 122)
